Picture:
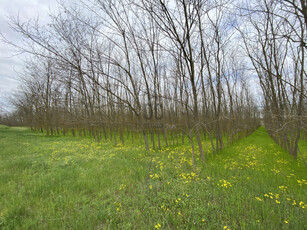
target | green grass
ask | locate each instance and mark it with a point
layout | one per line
(76, 183)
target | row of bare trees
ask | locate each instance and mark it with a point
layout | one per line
(275, 41)
(165, 70)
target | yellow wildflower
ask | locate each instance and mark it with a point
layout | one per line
(302, 205)
(122, 186)
(282, 187)
(258, 198)
(294, 202)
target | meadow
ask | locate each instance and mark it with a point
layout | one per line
(65, 182)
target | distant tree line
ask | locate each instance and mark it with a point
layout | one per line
(275, 41)
(166, 70)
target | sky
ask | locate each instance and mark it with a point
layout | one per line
(10, 62)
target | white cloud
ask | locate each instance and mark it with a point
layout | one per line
(9, 62)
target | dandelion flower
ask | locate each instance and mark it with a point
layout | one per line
(301, 203)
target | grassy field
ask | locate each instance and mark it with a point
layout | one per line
(76, 183)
